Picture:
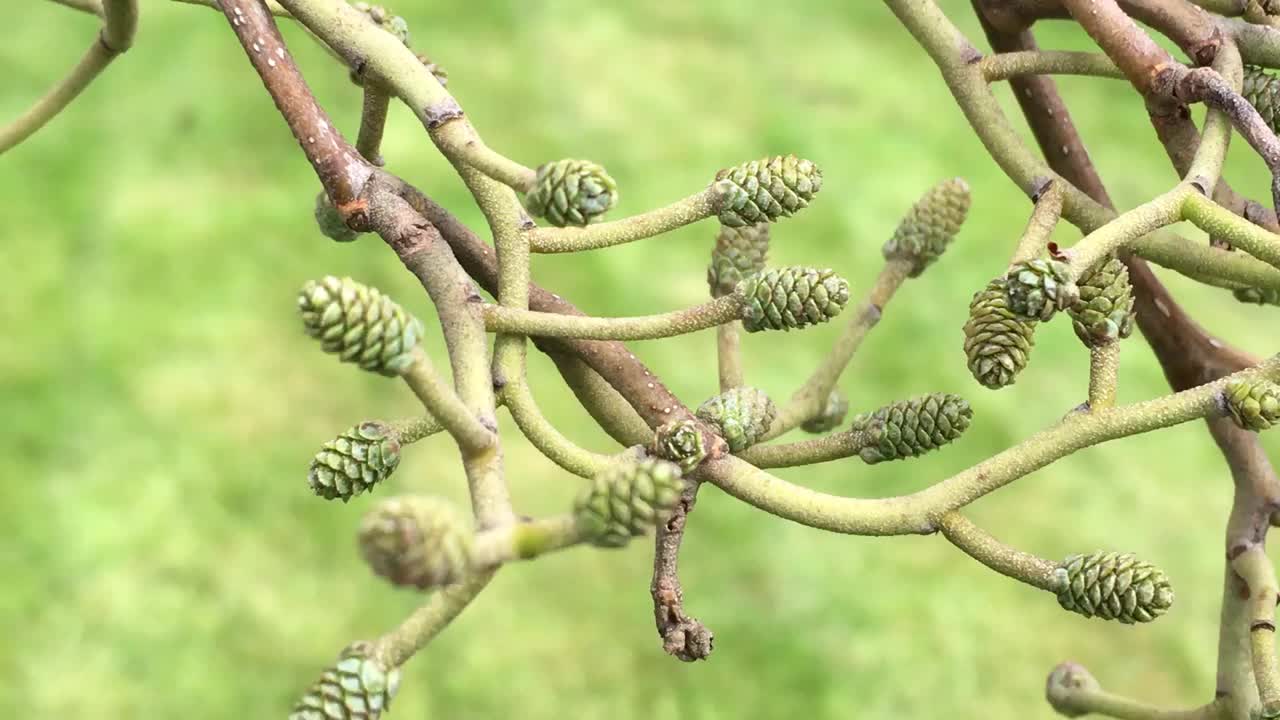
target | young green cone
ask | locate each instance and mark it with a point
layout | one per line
(1039, 288)
(1257, 296)
(680, 441)
(571, 192)
(416, 541)
(1253, 404)
(766, 190)
(355, 461)
(740, 252)
(930, 225)
(359, 324)
(1112, 586)
(830, 417)
(626, 499)
(996, 341)
(741, 416)
(791, 298)
(1262, 90)
(910, 428)
(1104, 311)
(357, 687)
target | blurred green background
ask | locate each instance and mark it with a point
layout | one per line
(164, 558)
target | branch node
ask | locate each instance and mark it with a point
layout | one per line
(440, 112)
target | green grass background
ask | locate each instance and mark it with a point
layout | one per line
(162, 556)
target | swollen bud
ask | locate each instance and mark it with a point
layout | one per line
(1039, 288)
(910, 428)
(680, 441)
(740, 252)
(1104, 311)
(1064, 686)
(571, 192)
(741, 416)
(791, 298)
(765, 190)
(357, 687)
(930, 225)
(416, 541)
(1253, 404)
(1112, 586)
(355, 461)
(359, 324)
(330, 222)
(627, 499)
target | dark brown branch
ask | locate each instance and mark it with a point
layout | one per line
(1132, 50)
(340, 168)
(682, 636)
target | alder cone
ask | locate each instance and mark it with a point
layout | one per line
(997, 342)
(1113, 586)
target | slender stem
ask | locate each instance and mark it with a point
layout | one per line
(696, 207)
(729, 355)
(525, 540)
(544, 436)
(1102, 702)
(646, 327)
(811, 398)
(1010, 562)
(411, 430)
(917, 513)
(1152, 215)
(1044, 218)
(1003, 66)
(1254, 567)
(457, 301)
(836, 446)
(1221, 222)
(1206, 264)
(1104, 368)
(120, 23)
(501, 168)
(397, 646)
(444, 404)
(683, 637)
(373, 121)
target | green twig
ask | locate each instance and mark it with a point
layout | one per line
(811, 398)
(397, 646)
(1254, 567)
(617, 232)
(1221, 222)
(729, 355)
(1104, 369)
(1003, 66)
(1044, 218)
(836, 446)
(1010, 562)
(648, 327)
(445, 405)
(373, 121)
(120, 23)
(525, 540)
(918, 513)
